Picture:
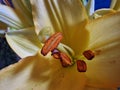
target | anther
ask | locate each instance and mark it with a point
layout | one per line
(65, 60)
(81, 66)
(51, 43)
(89, 54)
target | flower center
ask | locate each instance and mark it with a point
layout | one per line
(64, 53)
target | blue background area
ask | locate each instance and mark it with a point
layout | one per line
(7, 56)
(102, 4)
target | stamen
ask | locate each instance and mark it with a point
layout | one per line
(89, 54)
(81, 66)
(65, 60)
(51, 43)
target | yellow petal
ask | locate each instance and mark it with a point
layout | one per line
(115, 4)
(93, 88)
(23, 12)
(100, 12)
(104, 69)
(24, 42)
(66, 16)
(27, 5)
(40, 73)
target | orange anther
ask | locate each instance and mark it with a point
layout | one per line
(81, 66)
(51, 43)
(65, 60)
(89, 54)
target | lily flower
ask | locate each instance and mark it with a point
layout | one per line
(73, 52)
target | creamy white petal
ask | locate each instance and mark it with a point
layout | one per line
(24, 42)
(9, 16)
(104, 69)
(23, 12)
(40, 73)
(90, 7)
(84, 2)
